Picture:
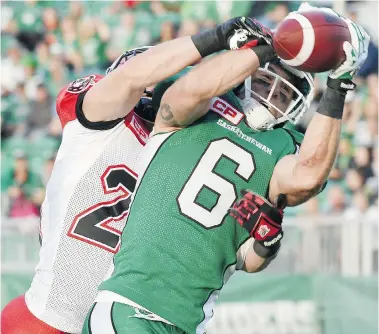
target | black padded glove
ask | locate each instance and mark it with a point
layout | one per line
(262, 220)
(231, 35)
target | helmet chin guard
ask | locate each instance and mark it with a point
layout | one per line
(257, 107)
(257, 115)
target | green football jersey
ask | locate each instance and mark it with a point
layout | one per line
(179, 246)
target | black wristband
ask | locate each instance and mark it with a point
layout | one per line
(265, 53)
(342, 85)
(207, 42)
(332, 103)
(266, 252)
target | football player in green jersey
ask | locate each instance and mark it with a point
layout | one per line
(214, 137)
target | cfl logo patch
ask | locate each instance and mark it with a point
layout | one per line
(263, 230)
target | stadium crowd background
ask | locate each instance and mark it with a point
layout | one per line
(47, 44)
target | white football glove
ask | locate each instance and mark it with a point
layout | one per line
(356, 52)
(306, 6)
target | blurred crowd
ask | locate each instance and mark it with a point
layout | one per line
(47, 44)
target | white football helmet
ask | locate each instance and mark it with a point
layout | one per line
(256, 107)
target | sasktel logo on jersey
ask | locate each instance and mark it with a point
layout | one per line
(226, 110)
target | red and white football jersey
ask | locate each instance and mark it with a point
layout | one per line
(85, 208)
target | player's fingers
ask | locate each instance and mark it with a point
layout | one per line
(245, 192)
(305, 6)
(350, 52)
(250, 206)
(233, 212)
(365, 38)
(246, 26)
(354, 34)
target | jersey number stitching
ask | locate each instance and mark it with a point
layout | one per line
(205, 176)
(92, 225)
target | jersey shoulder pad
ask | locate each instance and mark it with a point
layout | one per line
(69, 97)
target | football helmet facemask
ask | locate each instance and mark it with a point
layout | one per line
(256, 107)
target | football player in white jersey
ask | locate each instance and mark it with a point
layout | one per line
(88, 194)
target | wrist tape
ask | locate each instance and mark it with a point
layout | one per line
(266, 252)
(206, 42)
(332, 103)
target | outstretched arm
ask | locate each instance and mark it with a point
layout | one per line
(188, 98)
(117, 93)
(301, 176)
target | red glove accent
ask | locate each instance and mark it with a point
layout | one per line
(259, 217)
(250, 44)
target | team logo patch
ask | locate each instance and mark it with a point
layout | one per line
(263, 230)
(80, 85)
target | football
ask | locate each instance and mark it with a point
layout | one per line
(312, 40)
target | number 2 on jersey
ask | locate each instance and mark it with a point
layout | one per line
(205, 176)
(92, 225)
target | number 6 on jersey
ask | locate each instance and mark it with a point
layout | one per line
(205, 176)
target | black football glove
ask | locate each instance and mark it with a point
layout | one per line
(243, 32)
(236, 33)
(262, 220)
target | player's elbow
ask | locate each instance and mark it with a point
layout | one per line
(308, 179)
(313, 184)
(307, 188)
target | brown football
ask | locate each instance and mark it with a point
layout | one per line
(312, 40)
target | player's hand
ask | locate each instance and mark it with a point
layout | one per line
(260, 218)
(236, 33)
(356, 53)
(243, 32)
(306, 6)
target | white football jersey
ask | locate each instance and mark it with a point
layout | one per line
(84, 211)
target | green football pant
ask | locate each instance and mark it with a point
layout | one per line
(118, 318)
